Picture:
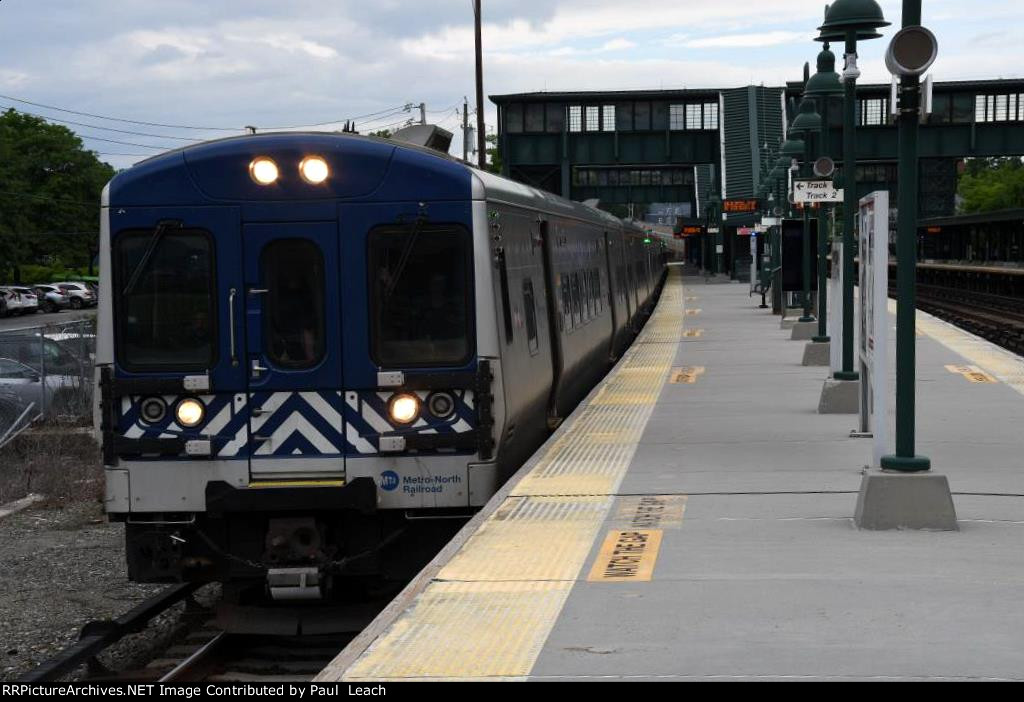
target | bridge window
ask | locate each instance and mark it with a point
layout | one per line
(874, 112)
(693, 117)
(534, 117)
(555, 118)
(575, 118)
(711, 115)
(608, 118)
(642, 116)
(676, 117)
(514, 118)
(999, 108)
(593, 118)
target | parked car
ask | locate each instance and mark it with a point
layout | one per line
(14, 304)
(52, 298)
(41, 353)
(79, 293)
(29, 299)
(56, 394)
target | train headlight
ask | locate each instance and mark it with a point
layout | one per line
(263, 170)
(441, 405)
(189, 412)
(153, 410)
(404, 409)
(314, 170)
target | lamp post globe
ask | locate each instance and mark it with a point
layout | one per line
(864, 17)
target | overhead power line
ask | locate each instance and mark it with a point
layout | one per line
(47, 198)
(107, 129)
(119, 119)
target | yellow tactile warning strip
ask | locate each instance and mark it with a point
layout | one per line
(1003, 365)
(972, 373)
(490, 609)
(626, 556)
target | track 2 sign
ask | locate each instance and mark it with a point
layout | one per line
(812, 191)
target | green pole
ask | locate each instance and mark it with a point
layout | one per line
(823, 239)
(805, 171)
(906, 266)
(849, 209)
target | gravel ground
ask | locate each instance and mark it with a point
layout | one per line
(61, 568)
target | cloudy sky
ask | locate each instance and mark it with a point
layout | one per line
(231, 63)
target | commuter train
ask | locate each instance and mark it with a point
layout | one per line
(311, 343)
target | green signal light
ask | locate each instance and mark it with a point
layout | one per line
(647, 240)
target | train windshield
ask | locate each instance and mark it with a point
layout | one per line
(420, 282)
(164, 314)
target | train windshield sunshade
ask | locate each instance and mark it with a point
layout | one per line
(166, 317)
(420, 285)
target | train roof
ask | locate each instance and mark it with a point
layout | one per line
(363, 168)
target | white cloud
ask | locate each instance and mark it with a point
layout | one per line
(619, 44)
(750, 41)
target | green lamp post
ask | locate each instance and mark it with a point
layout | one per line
(850, 21)
(824, 86)
(911, 53)
(807, 124)
(780, 175)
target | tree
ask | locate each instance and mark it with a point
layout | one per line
(49, 195)
(382, 133)
(494, 160)
(992, 184)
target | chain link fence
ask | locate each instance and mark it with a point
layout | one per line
(46, 374)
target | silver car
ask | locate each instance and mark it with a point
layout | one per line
(25, 386)
(52, 298)
(80, 294)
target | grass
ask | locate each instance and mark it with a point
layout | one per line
(60, 462)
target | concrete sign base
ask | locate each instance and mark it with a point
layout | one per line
(804, 331)
(816, 354)
(840, 397)
(891, 500)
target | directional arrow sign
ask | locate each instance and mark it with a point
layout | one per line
(816, 191)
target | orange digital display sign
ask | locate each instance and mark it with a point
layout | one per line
(692, 230)
(740, 206)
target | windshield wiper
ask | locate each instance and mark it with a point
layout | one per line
(404, 259)
(154, 242)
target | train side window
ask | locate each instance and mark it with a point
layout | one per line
(165, 311)
(294, 324)
(597, 284)
(530, 309)
(587, 299)
(577, 308)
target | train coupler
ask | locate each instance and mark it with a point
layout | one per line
(289, 584)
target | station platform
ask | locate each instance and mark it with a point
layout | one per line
(692, 520)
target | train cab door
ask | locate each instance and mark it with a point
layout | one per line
(293, 358)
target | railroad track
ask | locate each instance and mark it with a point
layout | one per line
(225, 657)
(203, 651)
(997, 318)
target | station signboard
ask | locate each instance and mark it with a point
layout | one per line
(874, 320)
(793, 255)
(814, 191)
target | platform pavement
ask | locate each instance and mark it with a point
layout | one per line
(759, 573)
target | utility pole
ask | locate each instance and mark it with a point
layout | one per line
(465, 129)
(481, 140)
(423, 113)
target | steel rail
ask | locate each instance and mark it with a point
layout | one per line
(100, 634)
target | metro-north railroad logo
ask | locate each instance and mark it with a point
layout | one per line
(389, 480)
